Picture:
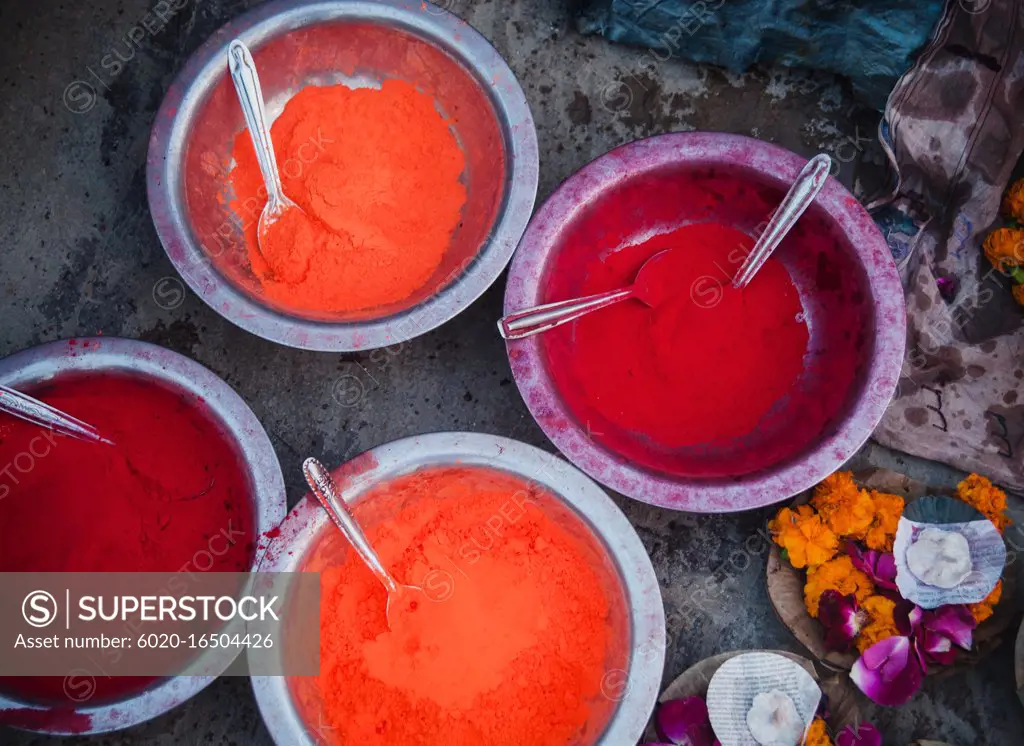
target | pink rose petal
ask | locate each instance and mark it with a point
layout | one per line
(881, 568)
(864, 735)
(685, 722)
(888, 672)
(955, 622)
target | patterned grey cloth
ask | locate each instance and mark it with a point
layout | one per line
(954, 129)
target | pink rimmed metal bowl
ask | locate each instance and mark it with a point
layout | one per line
(296, 43)
(293, 708)
(838, 260)
(228, 412)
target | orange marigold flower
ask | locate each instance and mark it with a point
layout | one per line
(882, 532)
(845, 507)
(1004, 247)
(807, 541)
(817, 734)
(1013, 202)
(1018, 294)
(980, 493)
(984, 609)
(837, 574)
(881, 624)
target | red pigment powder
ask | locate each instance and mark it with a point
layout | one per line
(521, 627)
(171, 488)
(703, 366)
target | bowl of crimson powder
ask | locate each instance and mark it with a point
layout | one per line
(399, 131)
(713, 399)
(190, 485)
(544, 623)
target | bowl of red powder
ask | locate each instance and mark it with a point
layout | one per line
(713, 400)
(191, 485)
(401, 133)
(544, 624)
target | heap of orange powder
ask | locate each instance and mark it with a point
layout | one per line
(377, 174)
(515, 641)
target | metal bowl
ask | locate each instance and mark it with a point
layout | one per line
(848, 284)
(363, 43)
(139, 359)
(291, 711)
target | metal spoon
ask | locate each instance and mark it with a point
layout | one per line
(39, 413)
(538, 319)
(402, 599)
(250, 95)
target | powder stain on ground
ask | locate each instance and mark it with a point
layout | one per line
(514, 649)
(377, 173)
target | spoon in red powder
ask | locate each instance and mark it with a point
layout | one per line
(655, 282)
(402, 599)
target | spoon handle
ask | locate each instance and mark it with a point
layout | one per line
(250, 95)
(322, 484)
(799, 197)
(541, 318)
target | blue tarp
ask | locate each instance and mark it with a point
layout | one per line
(868, 41)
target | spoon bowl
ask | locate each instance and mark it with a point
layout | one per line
(250, 96)
(403, 600)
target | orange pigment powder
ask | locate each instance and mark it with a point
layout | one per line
(377, 173)
(512, 646)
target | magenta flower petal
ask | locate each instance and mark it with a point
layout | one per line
(864, 734)
(936, 647)
(881, 568)
(685, 721)
(955, 622)
(889, 672)
(842, 619)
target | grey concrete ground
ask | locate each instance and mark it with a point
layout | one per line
(80, 256)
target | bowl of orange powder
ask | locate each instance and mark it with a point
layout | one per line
(713, 399)
(544, 624)
(191, 485)
(397, 128)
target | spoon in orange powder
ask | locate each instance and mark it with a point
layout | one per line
(279, 207)
(402, 599)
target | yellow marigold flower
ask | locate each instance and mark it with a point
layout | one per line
(807, 541)
(837, 574)
(1013, 202)
(980, 493)
(881, 624)
(817, 734)
(984, 609)
(1004, 247)
(882, 532)
(845, 507)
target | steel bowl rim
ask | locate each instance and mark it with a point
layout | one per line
(205, 66)
(744, 493)
(45, 361)
(575, 491)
